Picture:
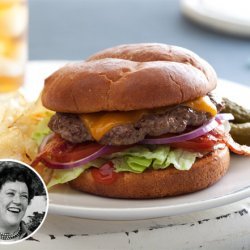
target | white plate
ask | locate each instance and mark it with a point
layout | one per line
(227, 16)
(234, 186)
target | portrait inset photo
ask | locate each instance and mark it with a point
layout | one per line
(23, 201)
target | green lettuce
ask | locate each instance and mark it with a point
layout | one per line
(181, 159)
(61, 176)
(139, 158)
(42, 129)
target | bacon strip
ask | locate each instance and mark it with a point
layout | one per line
(236, 147)
(229, 141)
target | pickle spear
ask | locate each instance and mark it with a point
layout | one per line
(241, 114)
(241, 133)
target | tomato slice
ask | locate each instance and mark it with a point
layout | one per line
(105, 174)
(206, 142)
(59, 150)
(75, 152)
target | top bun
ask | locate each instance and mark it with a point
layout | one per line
(129, 77)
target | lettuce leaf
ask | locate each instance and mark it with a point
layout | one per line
(61, 176)
(139, 158)
(181, 159)
(42, 129)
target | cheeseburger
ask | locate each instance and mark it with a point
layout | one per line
(135, 121)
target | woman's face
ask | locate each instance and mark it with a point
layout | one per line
(13, 202)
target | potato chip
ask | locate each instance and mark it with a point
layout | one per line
(18, 120)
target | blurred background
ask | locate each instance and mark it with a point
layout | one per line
(73, 30)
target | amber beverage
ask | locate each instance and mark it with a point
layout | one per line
(13, 43)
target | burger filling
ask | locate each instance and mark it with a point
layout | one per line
(111, 143)
(126, 128)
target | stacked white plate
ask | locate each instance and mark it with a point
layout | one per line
(228, 16)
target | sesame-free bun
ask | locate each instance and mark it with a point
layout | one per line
(159, 183)
(149, 52)
(139, 76)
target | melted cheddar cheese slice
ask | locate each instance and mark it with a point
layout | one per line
(100, 123)
(202, 104)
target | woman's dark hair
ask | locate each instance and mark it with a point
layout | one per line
(13, 171)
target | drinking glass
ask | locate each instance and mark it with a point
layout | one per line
(13, 43)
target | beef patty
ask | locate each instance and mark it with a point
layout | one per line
(170, 120)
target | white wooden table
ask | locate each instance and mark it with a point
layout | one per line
(226, 227)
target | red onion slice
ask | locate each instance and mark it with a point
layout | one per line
(224, 116)
(68, 165)
(210, 125)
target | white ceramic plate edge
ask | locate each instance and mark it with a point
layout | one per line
(150, 212)
(195, 12)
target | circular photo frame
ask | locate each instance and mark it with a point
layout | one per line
(24, 201)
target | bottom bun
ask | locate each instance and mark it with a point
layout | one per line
(159, 183)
